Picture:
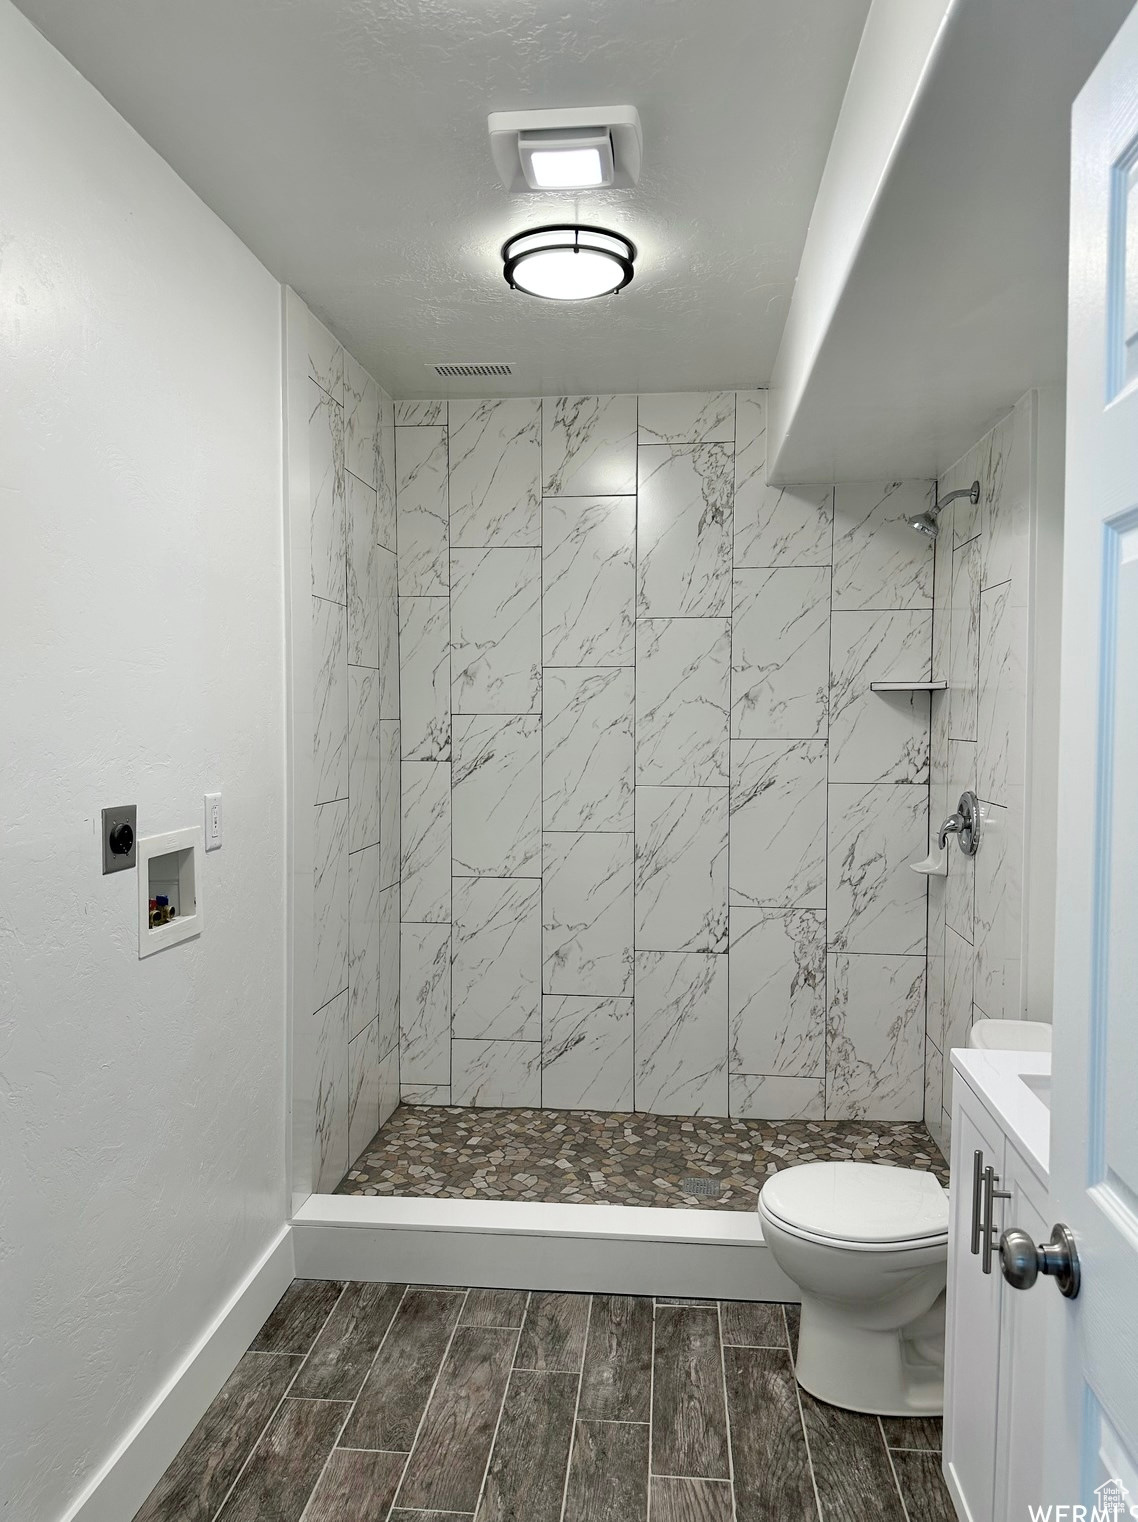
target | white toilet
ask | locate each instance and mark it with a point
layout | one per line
(868, 1247)
(1010, 1036)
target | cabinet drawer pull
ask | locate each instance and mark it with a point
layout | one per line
(991, 1195)
(977, 1184)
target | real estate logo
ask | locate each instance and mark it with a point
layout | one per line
(1111, 1503)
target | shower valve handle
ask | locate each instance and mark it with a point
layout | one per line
(951, 826)
(964, 824)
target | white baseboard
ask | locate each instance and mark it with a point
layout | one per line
(134, 1468)
(494, 1244)
(704, 1254)
(956, 1495)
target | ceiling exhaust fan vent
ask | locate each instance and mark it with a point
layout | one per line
(470, 372)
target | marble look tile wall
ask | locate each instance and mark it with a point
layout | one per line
(655, 827)
(356, 747)
(979, 727)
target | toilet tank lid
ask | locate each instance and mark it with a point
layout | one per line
(1010, 1036)
(859, 1202)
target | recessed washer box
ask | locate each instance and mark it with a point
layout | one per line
(169, 868)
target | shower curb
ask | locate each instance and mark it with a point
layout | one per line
(509, 1244)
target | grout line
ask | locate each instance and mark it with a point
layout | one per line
(541, 771)
(576, 1410)
(498, 1421)
(704, 1479)
(393, 492)
(400, 1453)
(727, 1074)
(726, 1405)
(826, 990)
(430, 1398)
(697, 618)
(893, 1472)
(635, 773)
(651, 1405)
(379, 1347)
(328, 1460)
(280, 1403)
(485, 1326)
(802, 1417)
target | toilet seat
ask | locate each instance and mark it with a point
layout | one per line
(862, 1207)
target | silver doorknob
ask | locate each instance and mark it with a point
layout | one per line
(1021, 1261)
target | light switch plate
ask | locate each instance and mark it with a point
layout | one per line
(212, 821)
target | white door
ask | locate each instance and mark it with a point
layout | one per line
(1092, 1377)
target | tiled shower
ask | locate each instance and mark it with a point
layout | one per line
(350, 1060)
(982, 647)
(606, 813)
(655, 826)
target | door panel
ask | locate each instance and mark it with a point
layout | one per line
(1092, 1429)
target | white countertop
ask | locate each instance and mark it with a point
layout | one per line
(996, 1078)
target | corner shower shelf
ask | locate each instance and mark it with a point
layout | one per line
(908, 686)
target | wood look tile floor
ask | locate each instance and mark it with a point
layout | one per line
(412, 1403)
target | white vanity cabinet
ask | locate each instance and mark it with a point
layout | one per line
(994, 1349)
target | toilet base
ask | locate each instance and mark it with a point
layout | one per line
(882, 1373)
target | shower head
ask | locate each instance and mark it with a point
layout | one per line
(926, 523)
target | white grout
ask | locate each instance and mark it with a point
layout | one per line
(704, 1479)
(893, 1471)
(398, 1453)
(328, 1460)
(726, 1406)
(576, 1409)
(280, 1403)
(517, 1331)
(431, 1512)
(352, 1402)
(802, 1418)
(430, 1398)
(651, 1408)
(406, 1455)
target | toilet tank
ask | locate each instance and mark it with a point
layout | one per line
(1011, 1036)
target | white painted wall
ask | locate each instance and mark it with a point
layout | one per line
(142, 1123)
(893, 56)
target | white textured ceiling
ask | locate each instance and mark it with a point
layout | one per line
(956, 301)
(345, 142)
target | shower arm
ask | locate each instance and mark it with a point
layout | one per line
(971, 492)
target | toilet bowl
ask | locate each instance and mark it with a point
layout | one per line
(868, 1247)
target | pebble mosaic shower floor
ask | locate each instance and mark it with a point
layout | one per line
(588, 1157)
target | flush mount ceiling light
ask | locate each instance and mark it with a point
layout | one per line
(589, 148)
(568, 262)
